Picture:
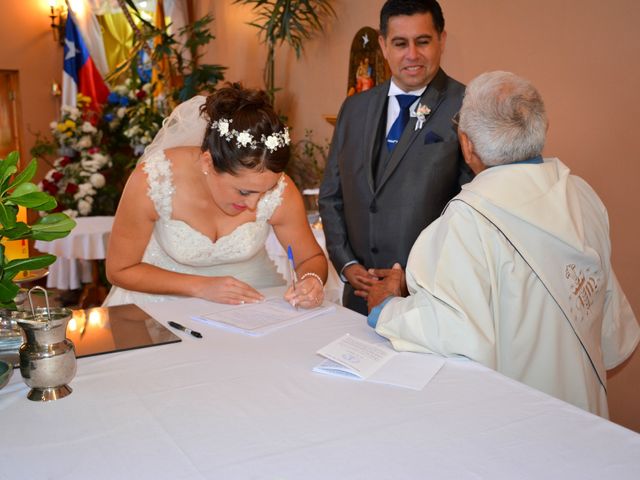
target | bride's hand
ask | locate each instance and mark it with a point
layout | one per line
(227, 290)
(309, 293)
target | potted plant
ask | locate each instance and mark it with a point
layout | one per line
(281, 21)
(16, 190)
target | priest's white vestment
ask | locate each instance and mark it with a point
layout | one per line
(516, 275)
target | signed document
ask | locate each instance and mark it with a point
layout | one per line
(352, 357)
(260, 318)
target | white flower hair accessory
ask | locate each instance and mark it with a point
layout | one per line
(421, 113)
(245, 139)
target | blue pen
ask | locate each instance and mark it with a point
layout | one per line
(292, 267)
(292, 270)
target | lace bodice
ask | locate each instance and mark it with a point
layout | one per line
(175, 245)
(189, 246)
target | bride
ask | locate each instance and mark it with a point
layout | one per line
(196, 211)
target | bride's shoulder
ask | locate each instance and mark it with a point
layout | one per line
(154, 164)
(289, 189)
(285, 199)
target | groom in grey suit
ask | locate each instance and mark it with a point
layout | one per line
(394, 160)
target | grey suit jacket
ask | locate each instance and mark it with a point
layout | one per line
(376, 223)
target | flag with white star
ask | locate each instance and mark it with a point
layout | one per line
(80, 74)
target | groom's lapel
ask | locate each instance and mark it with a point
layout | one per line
(432, 97)
(373, 117)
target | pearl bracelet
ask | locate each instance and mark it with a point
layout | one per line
(314, 275)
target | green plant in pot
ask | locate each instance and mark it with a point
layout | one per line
(16, 189)
(286, 21)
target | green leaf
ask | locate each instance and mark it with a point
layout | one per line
(8, 167)
(8, 291)
(13, 267)
(9, 306)
(26, 174)
(55, 225)
(19, 231)
(23, 189)
(8, 215)
(36, 200)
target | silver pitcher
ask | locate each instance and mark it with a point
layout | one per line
(47, 357)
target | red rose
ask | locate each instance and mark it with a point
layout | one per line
(141, 94)
(65, 161)
(93, 150)
(71, 188)
(57, 176)
(49, 187)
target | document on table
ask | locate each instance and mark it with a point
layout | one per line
(260, 318)
(377, 362)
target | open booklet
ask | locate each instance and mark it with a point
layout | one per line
(260, 318)
(378, 362)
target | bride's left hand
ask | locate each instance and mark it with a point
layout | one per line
(309, 293)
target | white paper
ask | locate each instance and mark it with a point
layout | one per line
(378, 362)
(260, 318)
(359, 357)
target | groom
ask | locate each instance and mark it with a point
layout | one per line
(394, 160)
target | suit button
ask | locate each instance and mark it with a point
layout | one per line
(374, 250)
(373, 208)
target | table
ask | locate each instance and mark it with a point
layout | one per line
(236, 407)
(77, 258)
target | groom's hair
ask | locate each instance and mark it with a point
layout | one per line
(394, 8)
(243, 110)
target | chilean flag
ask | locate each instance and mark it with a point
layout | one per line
(80, 75)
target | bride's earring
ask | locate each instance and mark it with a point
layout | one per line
(205, 172)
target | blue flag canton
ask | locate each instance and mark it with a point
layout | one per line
(75, 51)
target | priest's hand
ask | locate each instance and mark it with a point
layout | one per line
(391, 282)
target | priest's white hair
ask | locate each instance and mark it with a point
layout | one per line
(504, 117)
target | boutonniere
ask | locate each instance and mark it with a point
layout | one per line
(421, 113)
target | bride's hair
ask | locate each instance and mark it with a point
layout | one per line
(240, 109)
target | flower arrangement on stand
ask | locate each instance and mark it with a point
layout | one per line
(97, 152)
(77, 179)
(133, 115)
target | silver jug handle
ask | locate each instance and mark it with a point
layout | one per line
(46, 299)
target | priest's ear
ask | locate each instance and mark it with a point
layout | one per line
(474, 162)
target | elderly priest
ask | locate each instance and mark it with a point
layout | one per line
(516, 274)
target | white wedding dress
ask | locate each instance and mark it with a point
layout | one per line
(174, 245)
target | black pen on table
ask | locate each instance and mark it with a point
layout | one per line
(185, 329)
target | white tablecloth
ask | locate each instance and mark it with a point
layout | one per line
(87, 241)
(236, 407)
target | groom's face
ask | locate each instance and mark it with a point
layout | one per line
(413, 48)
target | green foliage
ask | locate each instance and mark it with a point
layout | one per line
(286, 21)
(307, 163)
(16, 190)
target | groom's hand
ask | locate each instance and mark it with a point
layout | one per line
(360, 279)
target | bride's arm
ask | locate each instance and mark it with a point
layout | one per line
(292, 228)
(132, 228)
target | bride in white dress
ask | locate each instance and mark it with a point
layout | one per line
(196, 211)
